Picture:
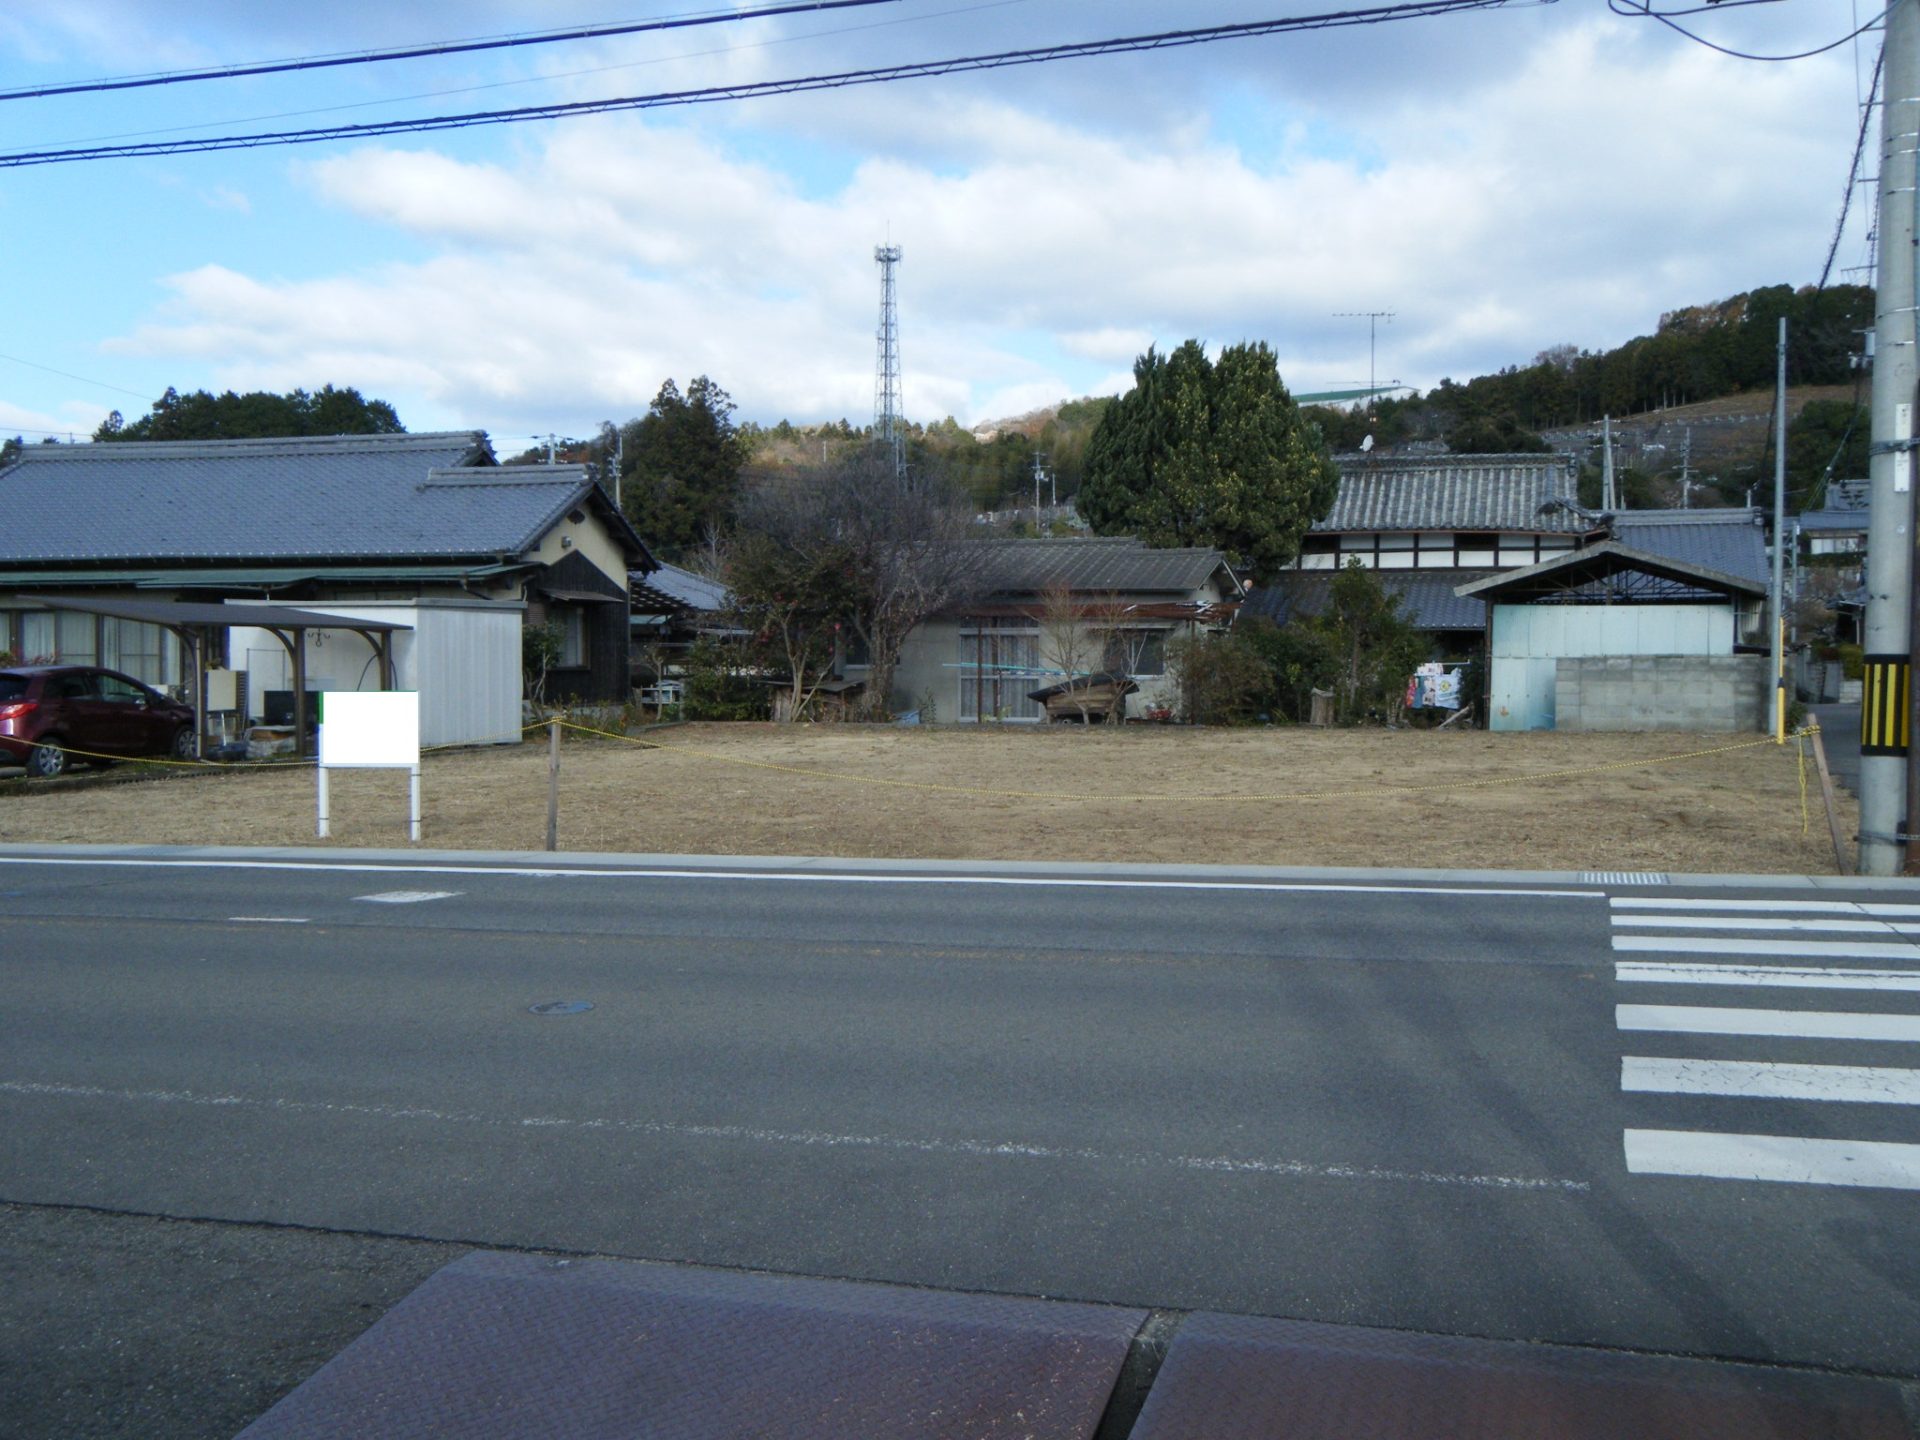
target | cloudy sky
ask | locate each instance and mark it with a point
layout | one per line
(1501, 181)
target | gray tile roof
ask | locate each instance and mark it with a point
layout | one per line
(1453, 492)
(1427, 597)
(334, 497)
(1123, 565)
(1729, 541)
(1607, 557)
(683, 587)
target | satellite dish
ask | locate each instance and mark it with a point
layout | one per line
(1366, 445)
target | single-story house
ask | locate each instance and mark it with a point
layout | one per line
(422, 533)
(1610, 637)
(1052, 610)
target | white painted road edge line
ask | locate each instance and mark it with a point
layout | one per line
(410, 897)
(1802, 1024)
(266, 920)
(1877, 1164)
(818, 877)
(1217, 1164)
(1810, 977)
(1768, 1080)
(1810, 949)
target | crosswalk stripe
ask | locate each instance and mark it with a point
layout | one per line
(1766, 1080)
(1791, 1159)
(1799, 1024)
(1799, 907)
(1811, 977)
(1730, 922)
(1837, 949)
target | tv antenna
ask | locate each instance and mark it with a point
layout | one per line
(1373, 318)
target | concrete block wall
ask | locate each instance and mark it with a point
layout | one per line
(1660, 692)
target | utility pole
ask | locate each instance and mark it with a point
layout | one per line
(1887, 631)
(1038, 530)
(1607, 501)
(1686, 470)
(1776, 611)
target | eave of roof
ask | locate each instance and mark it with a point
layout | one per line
(1611, 555)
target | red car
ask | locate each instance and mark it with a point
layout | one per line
(47, 711)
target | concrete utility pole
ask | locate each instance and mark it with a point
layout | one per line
(1884, 717)
(1607, 502)
(1776, 611)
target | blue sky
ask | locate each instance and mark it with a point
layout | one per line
(1502, 181)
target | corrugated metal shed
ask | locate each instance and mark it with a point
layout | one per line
(1453, 492)
(1123, 565)
(1427, 598)
(332, 497)
(1731, 541)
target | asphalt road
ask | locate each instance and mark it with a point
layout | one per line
(1357, 1100)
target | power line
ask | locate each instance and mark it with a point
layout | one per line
(1643, 10)
(546, 78)
(419, 52)
(1170, 39)
(68, 375)
(1853, 169)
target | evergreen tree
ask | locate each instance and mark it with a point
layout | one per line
(1206, 452)
(682, 467)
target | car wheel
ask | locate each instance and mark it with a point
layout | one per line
(183, 739)
(47, 760)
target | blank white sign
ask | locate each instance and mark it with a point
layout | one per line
(370, 728)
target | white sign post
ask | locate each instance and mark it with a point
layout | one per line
(370, 730)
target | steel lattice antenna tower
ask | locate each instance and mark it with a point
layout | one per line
(886, 370)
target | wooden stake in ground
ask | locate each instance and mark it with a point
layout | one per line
(1840, 860)
(553, 785)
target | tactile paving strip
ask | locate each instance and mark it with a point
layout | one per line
(1240, 1378)
(515, 1347)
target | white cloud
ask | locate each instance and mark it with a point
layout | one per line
(1573, 195)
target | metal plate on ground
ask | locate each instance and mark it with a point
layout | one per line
(1231, 1377)
(511, 1347)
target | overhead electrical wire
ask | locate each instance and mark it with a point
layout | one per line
(546, 77)
(1643, 10)
(1853, 169)
(1164, 40)
(421, 52)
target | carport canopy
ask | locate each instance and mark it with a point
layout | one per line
(194, 621)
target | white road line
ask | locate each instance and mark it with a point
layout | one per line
(1790, 1159)
(1781, 923)
(826, 877)
(1809, 949)
(266, 919)
(1765, 1080)
(1803, 907)
(410, 897)
(1811, 977)
(1011, 1149)
(1803, 1024)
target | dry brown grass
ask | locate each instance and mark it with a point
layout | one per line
(1299, 797)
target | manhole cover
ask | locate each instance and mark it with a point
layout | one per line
(560, 1007)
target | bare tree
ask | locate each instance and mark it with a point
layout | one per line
(913, 549)
(791, 579)
(1069, 645)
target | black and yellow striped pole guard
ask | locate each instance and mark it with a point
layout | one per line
(1884, 704)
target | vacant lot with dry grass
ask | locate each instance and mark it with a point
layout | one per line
(1267, 797)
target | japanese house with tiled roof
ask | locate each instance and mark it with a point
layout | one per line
(342, 524)
(1047, 611)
